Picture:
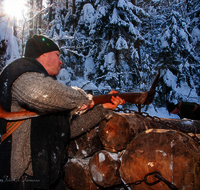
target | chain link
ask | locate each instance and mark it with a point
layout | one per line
(158, 120)
(157, 178)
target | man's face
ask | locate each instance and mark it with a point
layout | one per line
(53, 62)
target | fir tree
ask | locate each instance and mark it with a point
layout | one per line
(109, 32)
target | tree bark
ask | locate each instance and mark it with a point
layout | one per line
(116, 133)
(104, 169)
(174, 154)
(31, 26)
(39, 17)
(86, 145)
(77, 175)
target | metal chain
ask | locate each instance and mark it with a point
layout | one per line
(158, 120)
(158, 177)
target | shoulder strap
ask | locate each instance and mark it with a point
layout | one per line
(11, 127)
(195, 107)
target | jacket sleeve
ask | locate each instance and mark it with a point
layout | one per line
(42, 93)
(88, 120)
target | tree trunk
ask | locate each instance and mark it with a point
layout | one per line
(31, 26)
(174, 154)
(104, 169)
(39, 17)
(86, 145)
(77, 175)
(51, 12)
(115, 134)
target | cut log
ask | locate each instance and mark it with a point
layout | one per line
(174, 154)
(77, 175)
(115, 134)
(140, 123)
(104, 169)
(85, 145)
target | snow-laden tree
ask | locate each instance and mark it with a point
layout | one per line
(8, 42)
(178, 55)
(171, 35)
(108, 32)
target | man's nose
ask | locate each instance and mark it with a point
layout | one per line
(61, 62)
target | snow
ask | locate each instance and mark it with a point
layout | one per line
(89, 16)
(121, 44)
(195, 35)
(101, 157)
(184, 90)
(6, 33)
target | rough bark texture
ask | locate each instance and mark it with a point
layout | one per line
(86, 145)
(142, 145)
(140, 123)
(77, 175)
(175, 155)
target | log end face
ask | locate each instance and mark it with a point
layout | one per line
(167, 151)
(115, 134)
(104, 169)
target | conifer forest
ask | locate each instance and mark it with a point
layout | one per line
(116, 44)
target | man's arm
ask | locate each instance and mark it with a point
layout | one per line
(44, 94)
(88, 120)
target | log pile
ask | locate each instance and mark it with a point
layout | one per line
(126, 148)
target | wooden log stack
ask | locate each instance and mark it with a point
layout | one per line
(122, 151)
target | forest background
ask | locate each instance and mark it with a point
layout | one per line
(116, 44)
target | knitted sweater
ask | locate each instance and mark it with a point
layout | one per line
(43, 94)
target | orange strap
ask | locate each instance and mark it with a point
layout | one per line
(11, 126)
(195, 107)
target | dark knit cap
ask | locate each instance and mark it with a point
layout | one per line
(171, 107)
(38, 44)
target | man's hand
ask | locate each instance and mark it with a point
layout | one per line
(85, 107)
(115, 101)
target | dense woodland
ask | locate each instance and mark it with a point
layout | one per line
(116, 44)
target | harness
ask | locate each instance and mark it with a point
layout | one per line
(194, 109)
(11, 127)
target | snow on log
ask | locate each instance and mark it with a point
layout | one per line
(77, 175)
(139, 123)
(104, 169)
(174, 154)
(115, 134)
(86, 145)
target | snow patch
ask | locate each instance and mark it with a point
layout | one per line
(101, 157)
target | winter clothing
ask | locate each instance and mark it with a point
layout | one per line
(38, 145)
(188, 110)
(38, 44)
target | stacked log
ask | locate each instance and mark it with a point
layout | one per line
(125, 148)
